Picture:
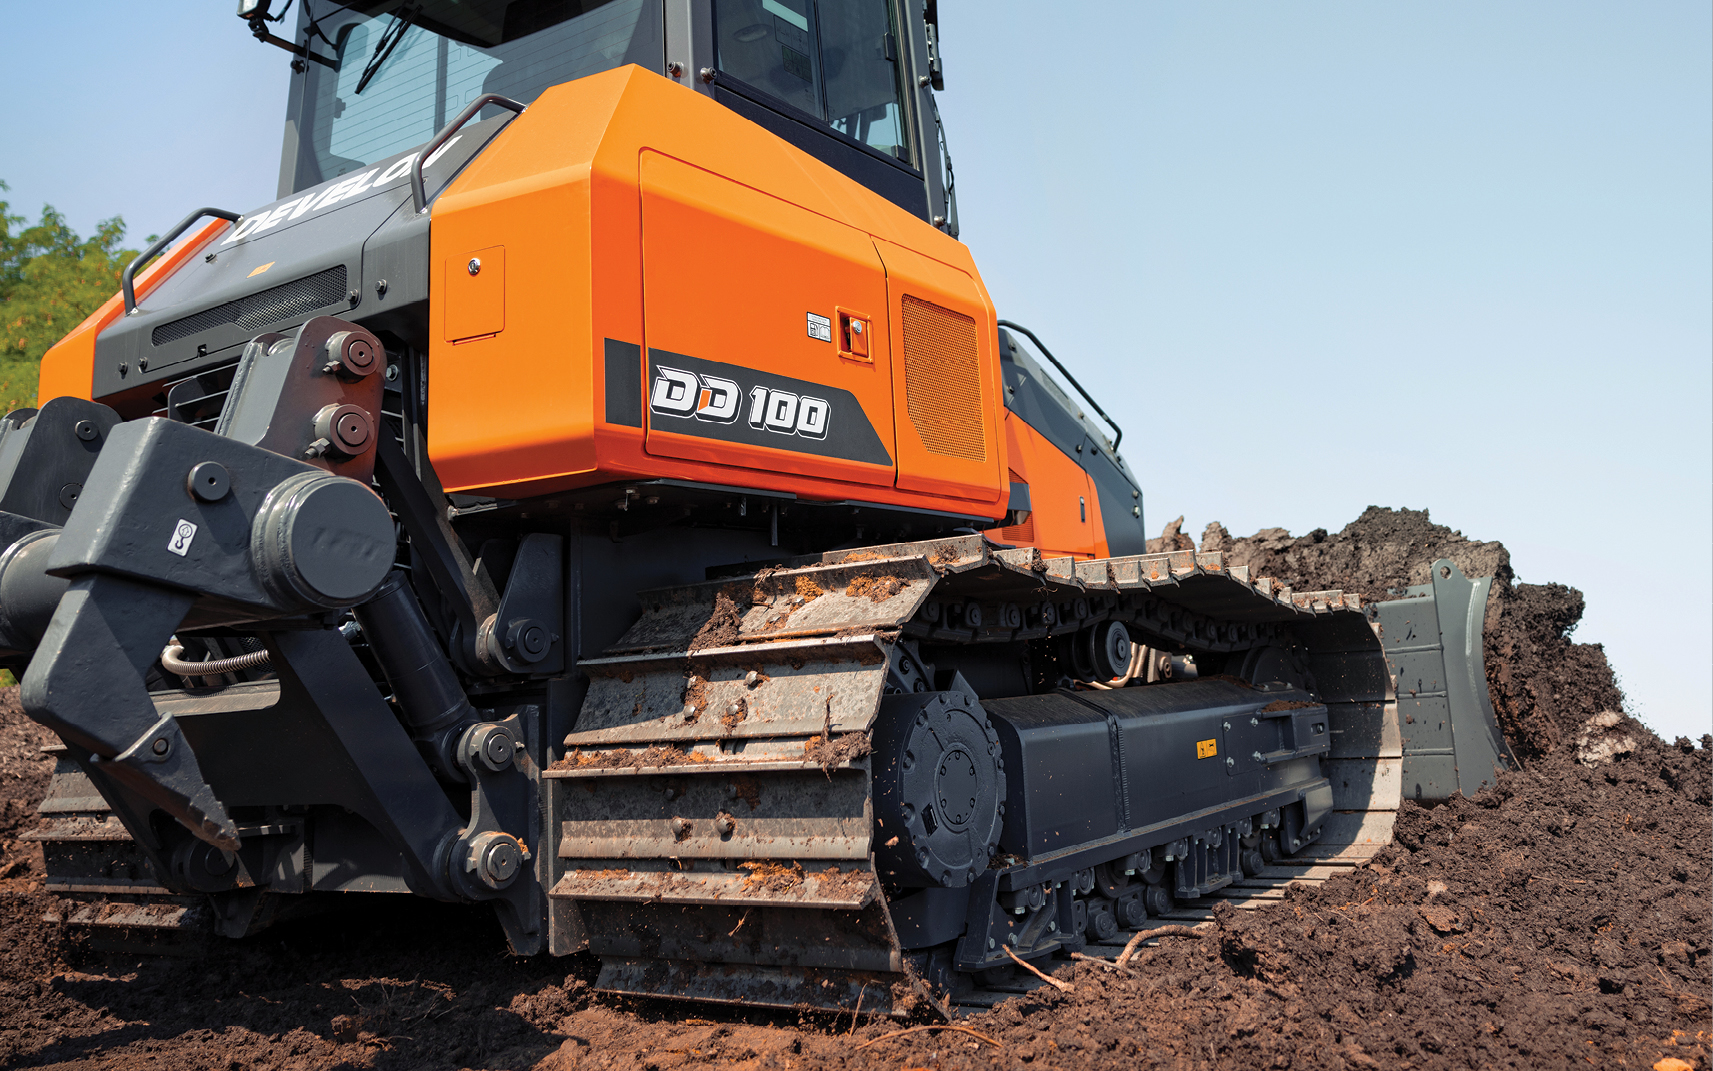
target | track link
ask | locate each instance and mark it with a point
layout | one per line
(1314, 866)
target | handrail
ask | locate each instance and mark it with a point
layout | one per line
(1118, 432)
(419, 196)
(127, 280)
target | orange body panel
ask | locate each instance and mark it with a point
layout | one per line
(640, 217)
(68, 369)
(776, 262)
(947, 397)
(1064, 514)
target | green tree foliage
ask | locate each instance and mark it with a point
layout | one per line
(50, 279)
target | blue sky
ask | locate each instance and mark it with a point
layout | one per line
(1312, 257)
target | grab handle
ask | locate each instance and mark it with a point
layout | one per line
(418, 196)
(1117, 432)
(127, 281)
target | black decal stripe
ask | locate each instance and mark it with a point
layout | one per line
(849, 436)
(624, 383)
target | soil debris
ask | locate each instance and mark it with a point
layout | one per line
(1173, 538)
(1543, 686)
(1286, 704)
(808, 590)
(725, 621)
(771, 876)
(622, 759)
(695, 697)
(830, 752)
(878, 587)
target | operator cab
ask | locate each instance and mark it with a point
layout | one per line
(849, 82)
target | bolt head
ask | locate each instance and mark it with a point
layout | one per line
(475, 266)
(161, 746)
(209, 481)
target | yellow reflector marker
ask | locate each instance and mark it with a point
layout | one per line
(1206, 749)
(260, 270)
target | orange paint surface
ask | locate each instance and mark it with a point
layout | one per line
(635, 210)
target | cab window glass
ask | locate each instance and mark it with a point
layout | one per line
(837, 62)
(443, 54)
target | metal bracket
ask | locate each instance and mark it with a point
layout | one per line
(525, 633)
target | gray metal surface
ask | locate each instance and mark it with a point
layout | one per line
(1449, 738)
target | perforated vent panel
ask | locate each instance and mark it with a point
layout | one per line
(942, 379)
(253, 311)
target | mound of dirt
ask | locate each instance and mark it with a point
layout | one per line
(1560, 919)
(1543, 684)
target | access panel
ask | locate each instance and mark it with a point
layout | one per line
(763, 348)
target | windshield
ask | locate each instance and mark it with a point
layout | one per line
(406, 68)
(836, 61)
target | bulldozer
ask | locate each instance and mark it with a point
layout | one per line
(600, 486)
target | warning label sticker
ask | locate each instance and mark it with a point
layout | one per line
(182, 534)
(820, 327)
(1206, 749)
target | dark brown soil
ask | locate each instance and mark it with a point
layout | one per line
(830, 751)
(723, 625)
(1543, 684)
(1559, 920)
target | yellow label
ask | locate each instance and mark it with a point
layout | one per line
(261, 269)
(1206, 749)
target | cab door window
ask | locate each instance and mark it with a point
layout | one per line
(836, 62)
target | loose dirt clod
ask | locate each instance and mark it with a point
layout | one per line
(832, 753)
(877, 587)
(619, 758)
(771, 876)
(724, 623)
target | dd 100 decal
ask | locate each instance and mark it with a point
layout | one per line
(713, 400)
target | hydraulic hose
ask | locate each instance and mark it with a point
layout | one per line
(172, 662)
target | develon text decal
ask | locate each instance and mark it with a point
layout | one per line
(316, 200)
(716, 400)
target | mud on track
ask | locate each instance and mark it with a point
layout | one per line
(1560, 920)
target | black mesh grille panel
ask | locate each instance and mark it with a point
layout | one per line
(284, 302)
